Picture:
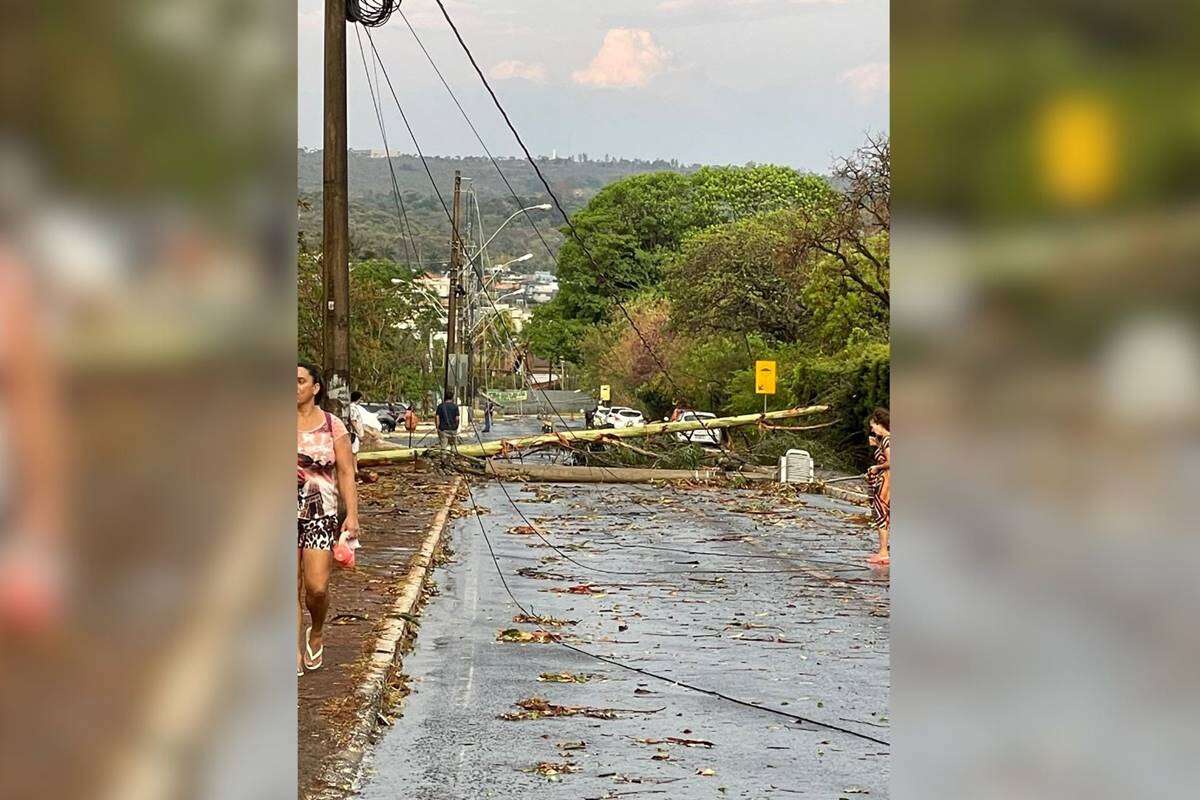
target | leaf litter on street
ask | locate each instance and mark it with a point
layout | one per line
(553, 770)
(565, 677)
(538, 619)
(527, 637)
(540, 708)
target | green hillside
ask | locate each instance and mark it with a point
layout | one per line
(376, 233)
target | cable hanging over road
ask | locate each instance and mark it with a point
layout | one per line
(601, 278)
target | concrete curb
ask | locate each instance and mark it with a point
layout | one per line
(341, 776)
(846, 495)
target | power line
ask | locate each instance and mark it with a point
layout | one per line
(425, 163)
(400, 209)
(495, 559)
(520, 203)
(600, 277)
(681, 684)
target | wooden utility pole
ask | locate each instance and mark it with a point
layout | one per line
(335, 242)
(455, 282)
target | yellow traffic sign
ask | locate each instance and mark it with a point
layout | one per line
(764, 377)
(605, 393)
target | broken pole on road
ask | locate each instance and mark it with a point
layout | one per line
(568, 438)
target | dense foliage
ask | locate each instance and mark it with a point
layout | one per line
(393, 353)
(691, 278)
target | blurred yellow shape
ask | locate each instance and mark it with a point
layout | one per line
(1077, 141)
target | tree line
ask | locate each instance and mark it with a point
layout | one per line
(704, 273)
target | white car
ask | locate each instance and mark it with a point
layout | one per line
(626, 418)
(610, 415)
(600, 417)
(707, 437)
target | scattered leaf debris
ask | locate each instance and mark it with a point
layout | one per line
(526, 637)
(538, 619)
(540, 708)
(679, 741)
(564, 677)
(553, 770)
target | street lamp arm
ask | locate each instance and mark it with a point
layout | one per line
(542, 207)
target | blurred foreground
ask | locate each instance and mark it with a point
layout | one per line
(1047, 392)
(146, 243)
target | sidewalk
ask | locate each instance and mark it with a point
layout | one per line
(395, 513)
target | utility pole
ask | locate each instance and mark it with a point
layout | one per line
(335, 242)
(455, 281)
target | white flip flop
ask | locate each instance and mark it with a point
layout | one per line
(312, 660)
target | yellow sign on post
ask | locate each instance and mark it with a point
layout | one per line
(605, 393)
(764, 377)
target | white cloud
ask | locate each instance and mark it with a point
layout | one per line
(867, 80)
(530, 71)
(628, 57)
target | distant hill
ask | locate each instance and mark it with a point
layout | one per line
(375, 231)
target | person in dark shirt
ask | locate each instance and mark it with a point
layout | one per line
(447, 421)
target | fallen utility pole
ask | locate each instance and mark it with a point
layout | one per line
(571, 437)
(561, 474)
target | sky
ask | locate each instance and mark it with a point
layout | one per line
(796, 82)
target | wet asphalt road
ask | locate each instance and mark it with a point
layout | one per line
(776, 610)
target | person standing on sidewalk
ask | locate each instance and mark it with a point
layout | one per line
(879, 481)
(489, 408)
(324, 473)
(447, 421)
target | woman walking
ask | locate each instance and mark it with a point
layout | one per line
(879, 479)
(324, 472)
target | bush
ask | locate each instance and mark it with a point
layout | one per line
(853, 383)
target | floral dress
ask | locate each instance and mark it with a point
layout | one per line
(316, 485)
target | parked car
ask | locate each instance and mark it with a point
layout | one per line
(626, 418)
(611, 416)
(706, 437)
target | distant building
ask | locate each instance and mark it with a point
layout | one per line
(436, 283)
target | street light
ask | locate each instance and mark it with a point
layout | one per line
(497, 270)
(542, 207)
(525, 257)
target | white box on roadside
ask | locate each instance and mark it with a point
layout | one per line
(796, 466)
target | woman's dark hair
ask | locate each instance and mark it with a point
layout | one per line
(880, 416)
(355, 397)
(315, 374)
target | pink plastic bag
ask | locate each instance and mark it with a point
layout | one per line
(343, 552)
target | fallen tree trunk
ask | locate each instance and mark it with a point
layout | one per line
(570, 437)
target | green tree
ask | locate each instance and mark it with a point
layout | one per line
(633, 228)
(392, 351)
(551, 334)
(741, 277)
